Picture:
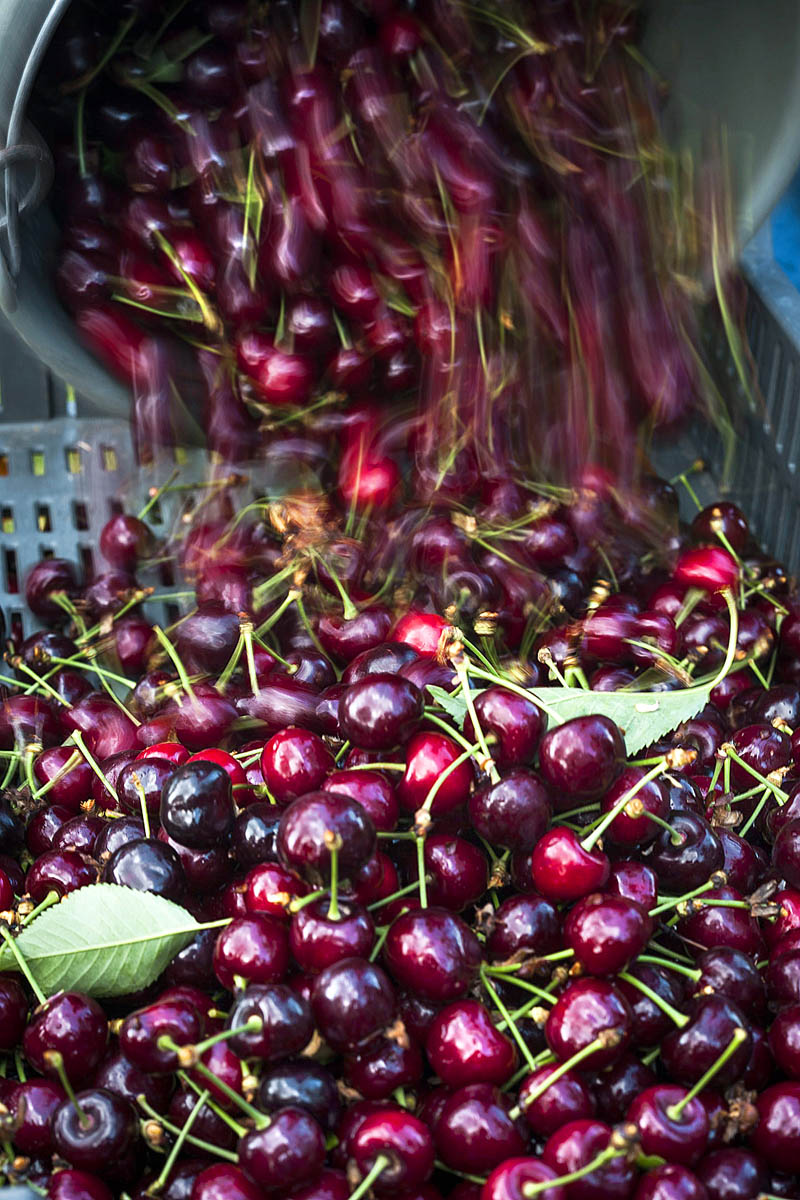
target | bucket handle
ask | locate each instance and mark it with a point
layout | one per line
(16, 152)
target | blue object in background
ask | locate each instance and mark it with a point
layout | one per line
(785, 223)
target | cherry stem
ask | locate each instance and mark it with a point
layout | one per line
(162, 1121)
(731, 753)
(252, 1025)
(50, 899)
(679, 1018)
(140, 792)
(230, 665)
(579, 1056)
(739, 1035)
(507, 1017)
(349, 609)
(674, 901)
(159, 1183)
(511, 686)
(379, 766)
(529, 1190)
(238, 1129)
(733, 614)
(157, 493)
(71, 762)
(377, 1169)
(670, 966)
(260, 1119)
(755, 813)
(173, 655)
(539, 993)
(301, 901)
(591, 841)
(77, 738)
(55, 1059)
(22, 964)
(460, 665)
(403, 891)
(675, 838)
(334, 845)
(246, 630)
(422, 881)
(40, 683)
(433, 791)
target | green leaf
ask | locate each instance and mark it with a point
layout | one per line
(103, 939)
(643, 717)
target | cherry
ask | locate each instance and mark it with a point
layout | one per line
(608, 631)
(716, 925)
(590, 1010)
(116, 1074)
(125, 541)
(255, 833)
(382, 1066)
(513, 813)
(61, 871)
(147, 865)
(97, 1134)
(287, 1025)
(581, 757)
(13, 1011)
(114, 834)
(386, 659)
(301, 1084)
(73, 1026)
(458, 871)
(207, 638)
(507, 1182)
(43, 828)
(51, 576)
(293, 762)
(576, 1145)
(562, 869)
(204, 870)
(196, 805)
(784, 1040)
(428, 757)
(524, 922)
(422, 631)
(632, 827)
(223, 1181)
(565, 1098)
(352, 1001)
(620, 1084)
(280, 377)
(26, 720)
(762, 747)
(606, 932)
(317, 939)
(432, 953)
(269, 887)
(70, 1184)
(725, 518)
(313, 823)
(79, 833)
(141, 782)
(776, 1138)
(474, 1132)
(516, 723)
(463, 1046)
(670, 1182)
(786, 853)
(380, 711)
(254, 948)
(74, 785)
(732, 1174)
(141, 1033)
(677, 1137)
(650, 1022)
(106, 729)
(709, 568)
(690, 859)
(635, 881)
(290, 1151)
(372, 791)
(688, 1052)
(396, 1148)
(34, 1103)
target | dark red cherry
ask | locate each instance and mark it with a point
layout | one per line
(732, 1174)
(304, 1084)
(681, 1138)
(254, 837)
(290, 1151)
(294, 762)
(269, 888)
(71, 1184)
(61, 871)
(382, 1066)
(224, 1181)
(589, 1010)
(635, 881)
(147, 865)
(72, 1025)
(51, 576)
(464, 1046)
(13, 1011)
(508, 1181)
(513, 813)
(403, 1141)
(125, 540)
(197, 806)
(582, 757)
(516, 723)
(725, 518)
(287, 1024)
(577, 1144)
(386, 659)
(380, 712)
(118, 1075)
(784, 1040)
(620, 1084)
(34, 1104)
(430, 755)
(458, 870)
(719, 925)
(306, 829)
(776, 1138)
(691, 859)
(709, 568)
(116, 833)
(474, 1132)
(253, 948)
(632, 827)
(688, 1052)
(524, 922)
(546, 1109)
(141, 1031)
(670, 1182)
(786, 853)
(372, 790)
(207, 638)
(317, 940)
(432, 953)
(606, 932)
(562, 869)
(650, 1022)
(26, 720)
(762, 747)
(141, 782)
(352, 1002)
(44, 826)
(97, 1135)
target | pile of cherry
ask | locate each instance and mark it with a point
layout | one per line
(486, 959)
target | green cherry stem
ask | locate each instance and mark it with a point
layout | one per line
(716, 880)
(754, 815)
(247, 635)
(159, 1183)
(50, 899)
(529, 1190)
(55, 1059)
(679, 1018)
(22, 964)
(601, 1042)
(739, 1035)
(252, 1025)
(238, 1129)
(461, 666)
(334, 844)
(261, 1120)
(172, 654)
(422, 878)
(730, 752)
(593, 838)
(377, 1169)
(670, 966)
(162, 1122)
(398, 895)
(77, 738)
(509, 1020)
